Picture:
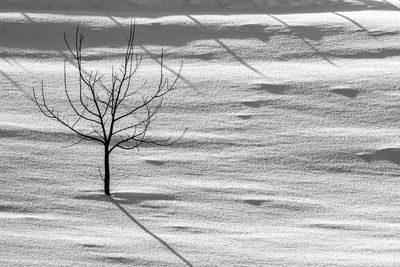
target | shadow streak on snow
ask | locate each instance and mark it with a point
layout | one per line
(128, 197)
(134, 198)
(391, 154)
(309, 44)
(16, 85)
(141, 226)
(127, 7)
(12, 81)
(155, 58)
(64, 55)
(355, 23)
(15, 63)
(347, 92)
(27, 17)
(228, 49)
(391, 5)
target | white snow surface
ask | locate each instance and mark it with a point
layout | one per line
(291, 157)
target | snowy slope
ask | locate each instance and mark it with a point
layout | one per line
(291, 158)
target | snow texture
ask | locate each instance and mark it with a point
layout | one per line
(291, 158)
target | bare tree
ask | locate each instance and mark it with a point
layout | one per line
(117, 115)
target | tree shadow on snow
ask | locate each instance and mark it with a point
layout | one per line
(304, 34)
(227, 49)
(391, 5)
(354, 22)
(127, 197)
(11, 80)
(119, 198)
(333, 6)
(116, 200)
(156, 58)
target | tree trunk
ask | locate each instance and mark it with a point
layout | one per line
(107, 172)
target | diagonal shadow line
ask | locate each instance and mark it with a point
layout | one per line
(61, 53)
(27, 17)
(228, 49)
(14, 83)
(354, 22)
(392, 5)
(316, 51)
(115, 21)
(141, 226)
(15, 63)
(68, 58)
(11, 80)
(153, 57)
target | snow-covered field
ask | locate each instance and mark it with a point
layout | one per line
(291, 158)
